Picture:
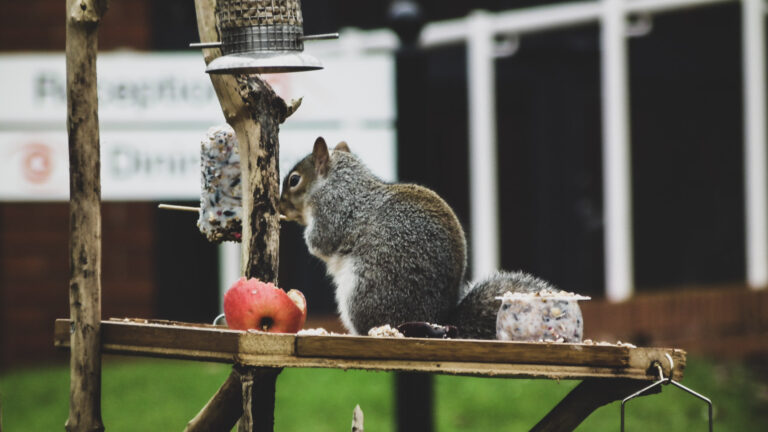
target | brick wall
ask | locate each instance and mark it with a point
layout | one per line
(32, 25)
(34, 272)
(727, 321)
(34, 264)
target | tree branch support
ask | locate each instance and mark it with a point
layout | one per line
(255, 112)
(584, 399)
(83, 17)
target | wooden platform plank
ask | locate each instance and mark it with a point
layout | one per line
(492, 370)
(456, 357)
(131, 337)
(461, 350)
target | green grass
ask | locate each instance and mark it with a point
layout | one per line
(162, 395)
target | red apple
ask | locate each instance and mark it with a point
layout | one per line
(252, 304)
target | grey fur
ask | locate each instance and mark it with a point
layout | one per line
(406, 243)
(475, 315)
(408, 246)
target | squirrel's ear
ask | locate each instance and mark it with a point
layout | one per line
(342, 146)
(320, 154)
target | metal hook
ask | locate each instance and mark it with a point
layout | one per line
(671, 365)
(507, 46)
(663, 380)
(639, 25)
(218, 317)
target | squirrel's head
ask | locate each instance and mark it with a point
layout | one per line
(298, 181)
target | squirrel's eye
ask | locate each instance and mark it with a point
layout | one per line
(293, 180)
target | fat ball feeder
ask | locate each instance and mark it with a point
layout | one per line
(261, 36)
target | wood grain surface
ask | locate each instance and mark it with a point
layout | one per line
(458, 357)
(83, 18)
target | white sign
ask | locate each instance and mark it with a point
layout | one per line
(154, 165)
(155, 108)
(133, 88)
(133, 165)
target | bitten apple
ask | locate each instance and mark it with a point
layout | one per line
(252, 304)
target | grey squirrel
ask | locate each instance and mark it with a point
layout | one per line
(396, 252)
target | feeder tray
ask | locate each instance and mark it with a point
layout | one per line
(261, 36)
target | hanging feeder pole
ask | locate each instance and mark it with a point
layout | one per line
(83, 17)
(255, 112)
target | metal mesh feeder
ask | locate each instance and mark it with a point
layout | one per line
(262, 36)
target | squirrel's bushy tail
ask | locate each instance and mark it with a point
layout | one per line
(475, 315)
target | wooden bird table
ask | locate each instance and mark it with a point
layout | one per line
(255, 112)
(610, 372)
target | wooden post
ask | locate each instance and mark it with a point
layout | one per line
(255, 112)
(83, 17)
(414, 402)
(357, 419)
(258, 392)
(226, 402)
(248, 392)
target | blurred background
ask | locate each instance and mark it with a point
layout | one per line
(629, 176)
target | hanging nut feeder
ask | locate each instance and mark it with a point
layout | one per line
(261, 36)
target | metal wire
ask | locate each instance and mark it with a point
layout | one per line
(218, 317)
(663, 380)
(248, 26)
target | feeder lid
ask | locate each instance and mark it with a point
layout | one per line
(263, 62)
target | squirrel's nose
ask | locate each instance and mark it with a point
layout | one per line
(287, 210)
